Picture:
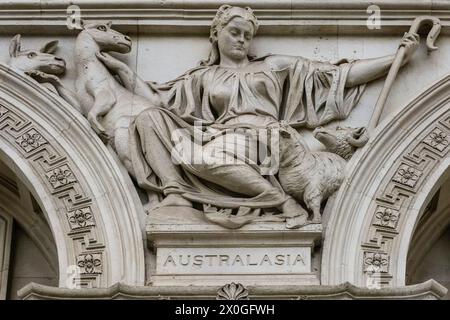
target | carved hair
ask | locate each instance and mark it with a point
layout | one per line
(222, 18)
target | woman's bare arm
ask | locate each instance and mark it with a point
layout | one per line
(366, 70)
(361, 71)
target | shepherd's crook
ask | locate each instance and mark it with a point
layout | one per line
(396, 64)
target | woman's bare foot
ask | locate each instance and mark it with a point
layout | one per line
(173, 200)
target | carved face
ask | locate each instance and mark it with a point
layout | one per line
(107, 38)
(234, 39)
(41, 60)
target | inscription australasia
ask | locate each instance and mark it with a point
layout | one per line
(232, 260)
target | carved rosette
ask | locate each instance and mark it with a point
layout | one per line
(31, 140)
(232, 291)
(376, 262)
(437, 139)
(90, 263)
(386, 217)
(62, 182)
(396, 195)
(61, 177)
(81, 218)
(407, 175)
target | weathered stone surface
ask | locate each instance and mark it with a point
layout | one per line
(430, 290)
(192, 251)
(335, 213)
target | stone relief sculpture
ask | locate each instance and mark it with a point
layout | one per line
(314, 176)
(432, 35)
(100, 94)
(231, 96)
(42, 66)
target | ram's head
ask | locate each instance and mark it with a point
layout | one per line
(342, 141)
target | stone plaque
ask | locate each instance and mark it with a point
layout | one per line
(266, 260)
(191, 251)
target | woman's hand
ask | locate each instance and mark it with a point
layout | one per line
(410, 42)
(111, 63)
(365, 70)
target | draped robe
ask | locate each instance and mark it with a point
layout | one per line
(212, 100)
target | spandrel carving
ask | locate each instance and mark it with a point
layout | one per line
(242, 141)
(196, 141)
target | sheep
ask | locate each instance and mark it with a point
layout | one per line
(42, 66)
(313, 176)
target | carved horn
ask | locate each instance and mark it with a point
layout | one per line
(362, 137)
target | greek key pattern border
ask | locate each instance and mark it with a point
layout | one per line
(397, 193)
(57, 172)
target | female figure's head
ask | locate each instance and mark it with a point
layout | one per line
(231, 33)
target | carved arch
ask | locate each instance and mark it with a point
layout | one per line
(85, 194)
(389, 183)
